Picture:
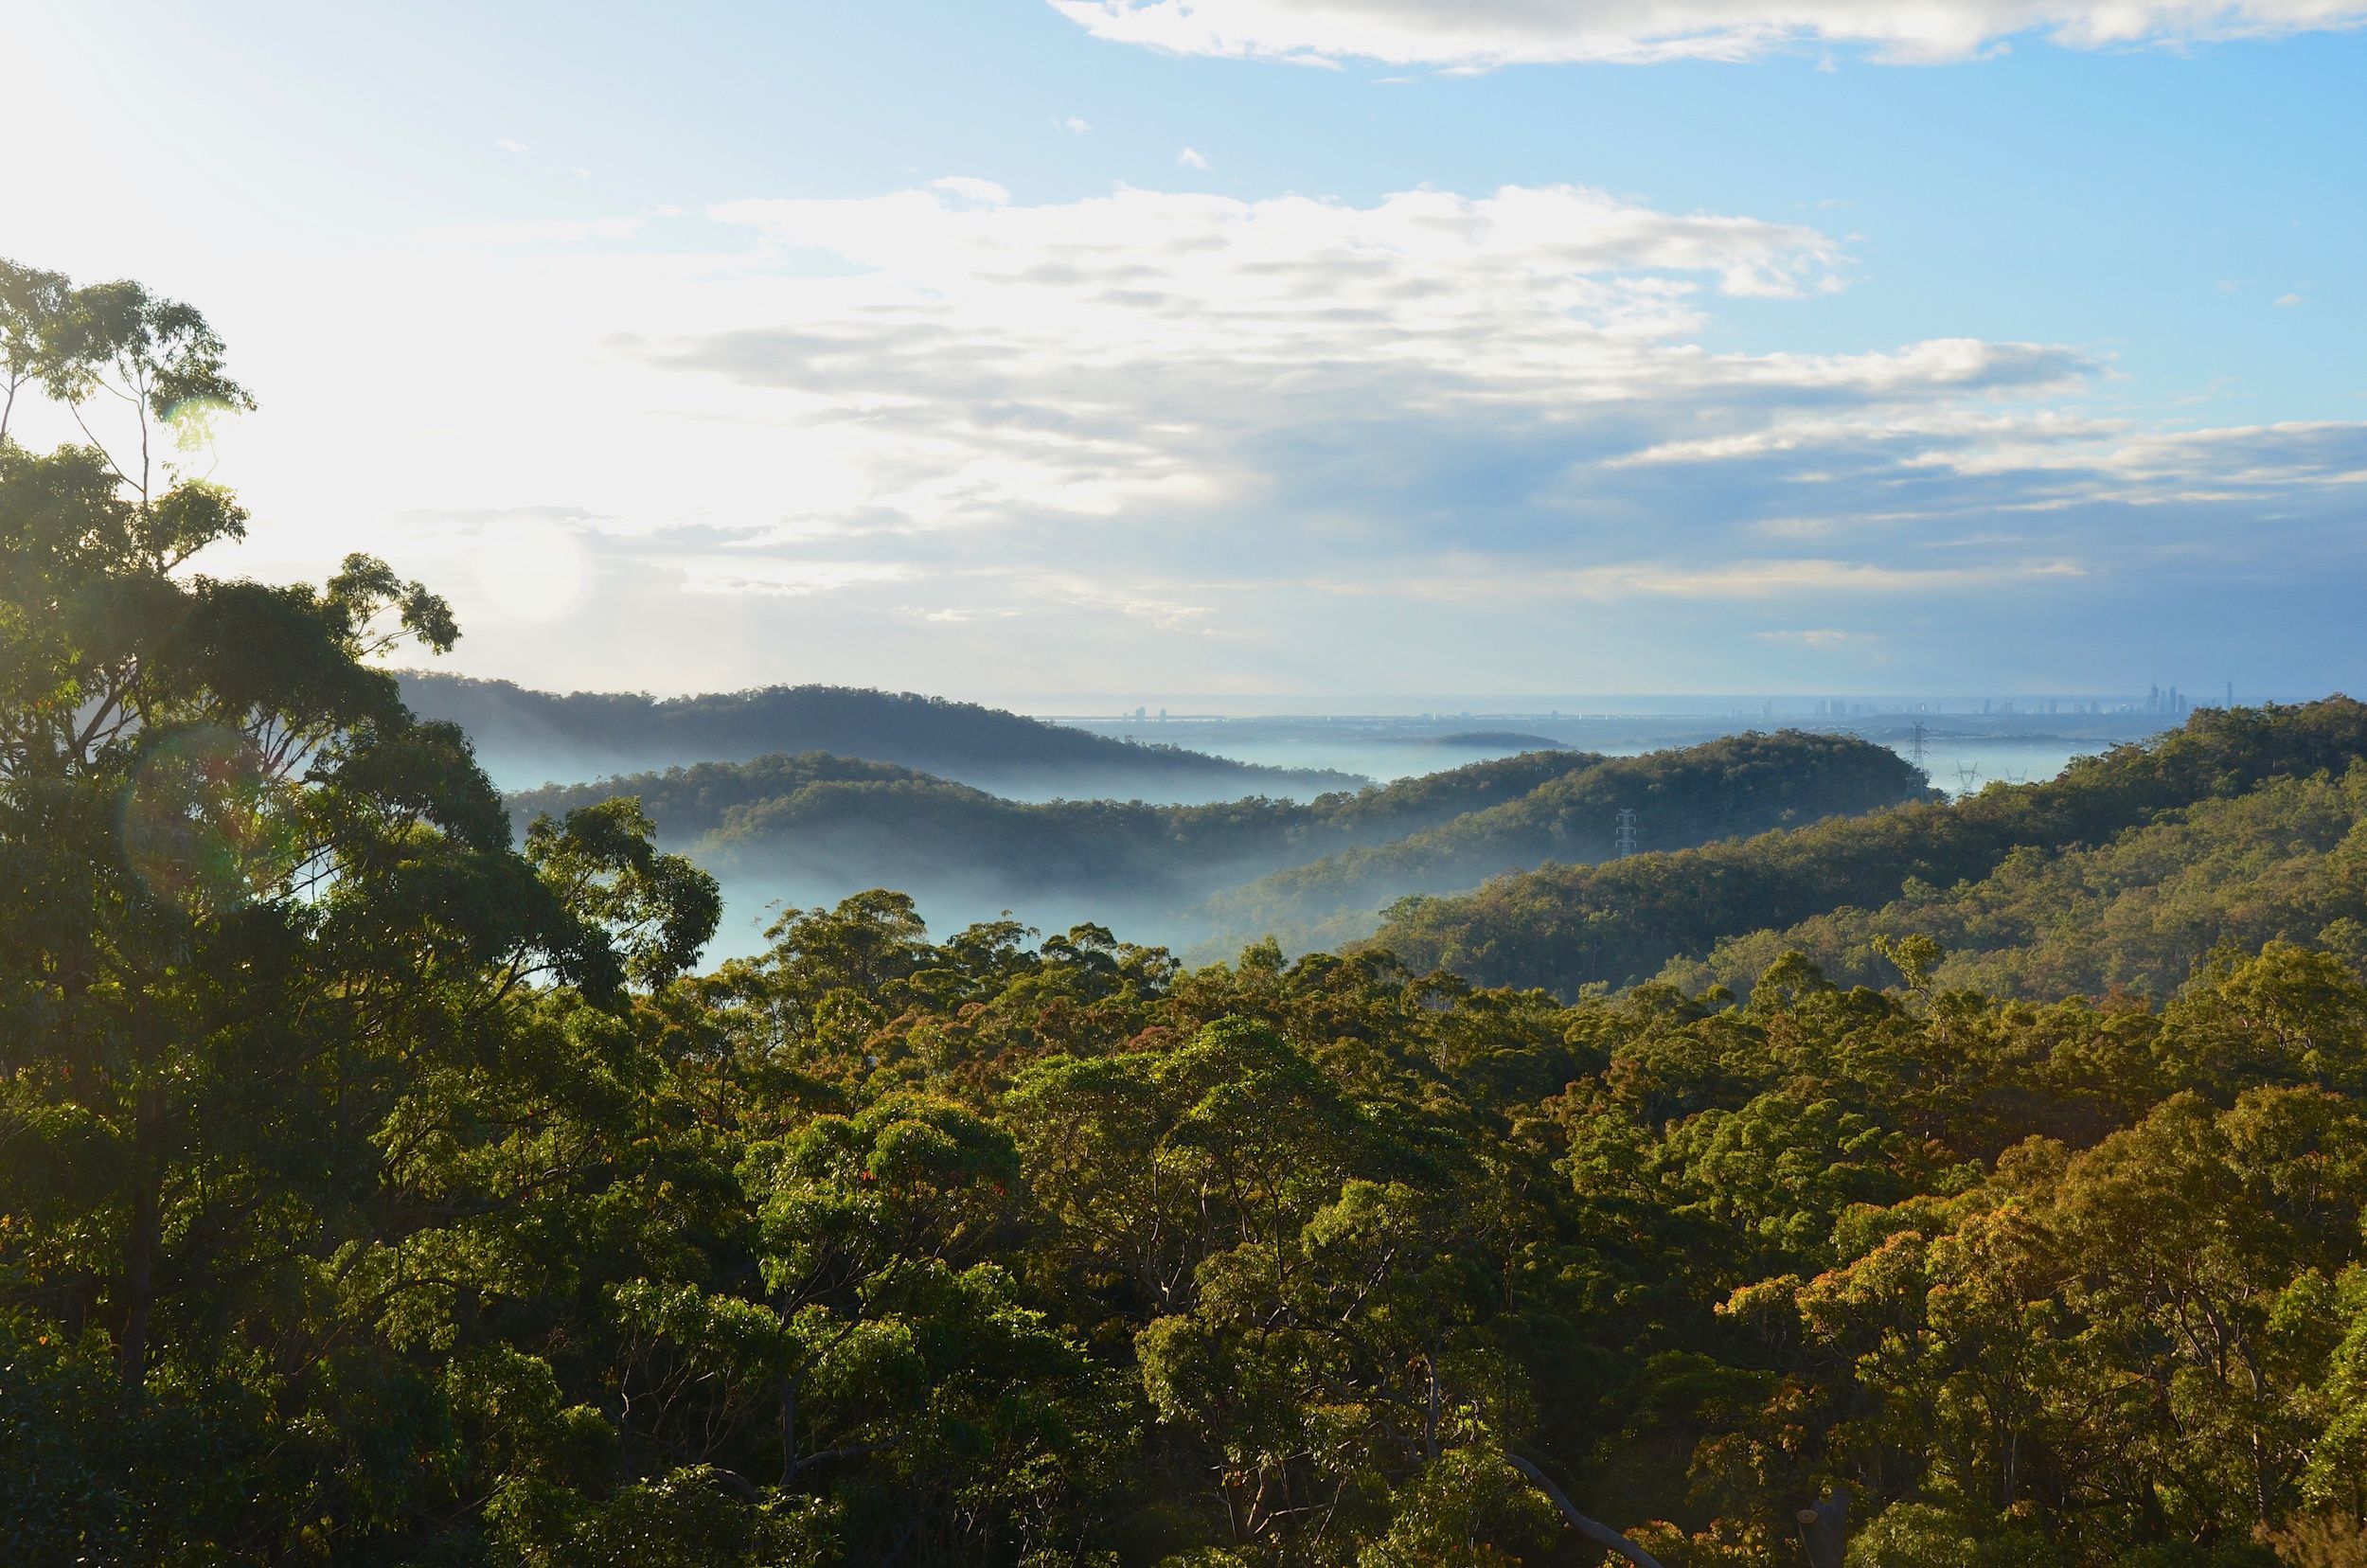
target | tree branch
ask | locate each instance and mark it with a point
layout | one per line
(1602, 1535)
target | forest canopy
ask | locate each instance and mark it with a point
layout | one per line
(383, 1185)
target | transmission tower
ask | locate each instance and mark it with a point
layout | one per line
(1625, 838)
(1917, 752)
(1968, 774)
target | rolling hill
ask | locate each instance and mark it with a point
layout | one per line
(524, 738)
(1565, 926)
(814, 828)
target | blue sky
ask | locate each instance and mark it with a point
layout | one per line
(1004, 348)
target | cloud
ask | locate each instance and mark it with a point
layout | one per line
(944, 436)
(782, 579)
(1730, 582)
(2290, 301)
(1073, 126)
(515, 148)
(1486, 33)
(1176, 378)
(983, 191)
(1095, 356)
(1192, 158)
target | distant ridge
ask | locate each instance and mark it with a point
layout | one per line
(525, 737)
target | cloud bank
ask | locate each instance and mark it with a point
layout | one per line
(1439, 441)
(1486, 33)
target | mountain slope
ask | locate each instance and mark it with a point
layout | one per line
(2143, 914)
(1565, 926)
(816, 828)
(854, 824)
(1692, 795)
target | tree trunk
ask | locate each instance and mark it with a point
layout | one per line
(788, 1432)
(1823, 1530)
(139, 1267)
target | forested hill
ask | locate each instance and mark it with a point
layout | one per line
(816, 828)
(2140, 914)
(1693, 795)
(525, 737)
(746, 800)
(1565, 926)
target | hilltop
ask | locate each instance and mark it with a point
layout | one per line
(525, 736)
(814, 828)
(817, 828)
(1719, 789)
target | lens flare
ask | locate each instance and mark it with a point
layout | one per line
(199, 823)
(192, 420)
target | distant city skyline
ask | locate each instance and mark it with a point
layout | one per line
(1022, 351)
(2166, 701)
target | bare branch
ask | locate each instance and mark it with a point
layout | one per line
(1602, 1535)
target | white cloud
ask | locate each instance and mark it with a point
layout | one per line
(983, 191)
(1501, 396)
(1484, 33)
(515, 148)
(782, 579)
(1073, 126)
(1095, 356)
(1192, 158)
(2290, 301)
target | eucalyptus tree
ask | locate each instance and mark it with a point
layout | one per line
(32, 312)
(271, 968)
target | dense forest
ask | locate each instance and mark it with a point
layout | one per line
(531, 736)
(1733, 787)
(819, 827)
(2109, 829)
(382, 1185)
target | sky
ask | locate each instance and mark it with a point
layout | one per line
(1023, 349)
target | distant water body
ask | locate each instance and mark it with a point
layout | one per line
(1959, 751)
